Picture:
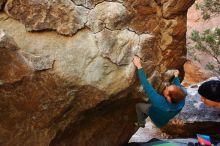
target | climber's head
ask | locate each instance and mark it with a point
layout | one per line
(210, 93)
(174, 94)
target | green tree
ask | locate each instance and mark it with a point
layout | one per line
(209, 8)
(207, 41)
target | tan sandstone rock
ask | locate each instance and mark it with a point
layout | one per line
(193, 73)
(60, 15)
(172, 8)
(146, 16)
(13, 66)
(108, 15)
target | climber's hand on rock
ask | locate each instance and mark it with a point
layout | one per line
(137, 62)
(176, 73)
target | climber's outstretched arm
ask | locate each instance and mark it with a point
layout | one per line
(154, 97)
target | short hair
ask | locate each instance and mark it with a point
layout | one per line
(210, 90)
(177, 94)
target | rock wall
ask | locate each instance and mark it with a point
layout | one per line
(66, 72)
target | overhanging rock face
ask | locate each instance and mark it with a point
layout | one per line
(67, 76)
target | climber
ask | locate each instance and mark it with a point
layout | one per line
(210, 93)
(161, 108)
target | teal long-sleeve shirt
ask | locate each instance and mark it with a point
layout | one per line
(160, 111)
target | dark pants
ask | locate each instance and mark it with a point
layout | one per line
(142, 112)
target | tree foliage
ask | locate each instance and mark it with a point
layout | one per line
(209, 42)
(209, 8)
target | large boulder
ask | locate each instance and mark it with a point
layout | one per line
(81, 89)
